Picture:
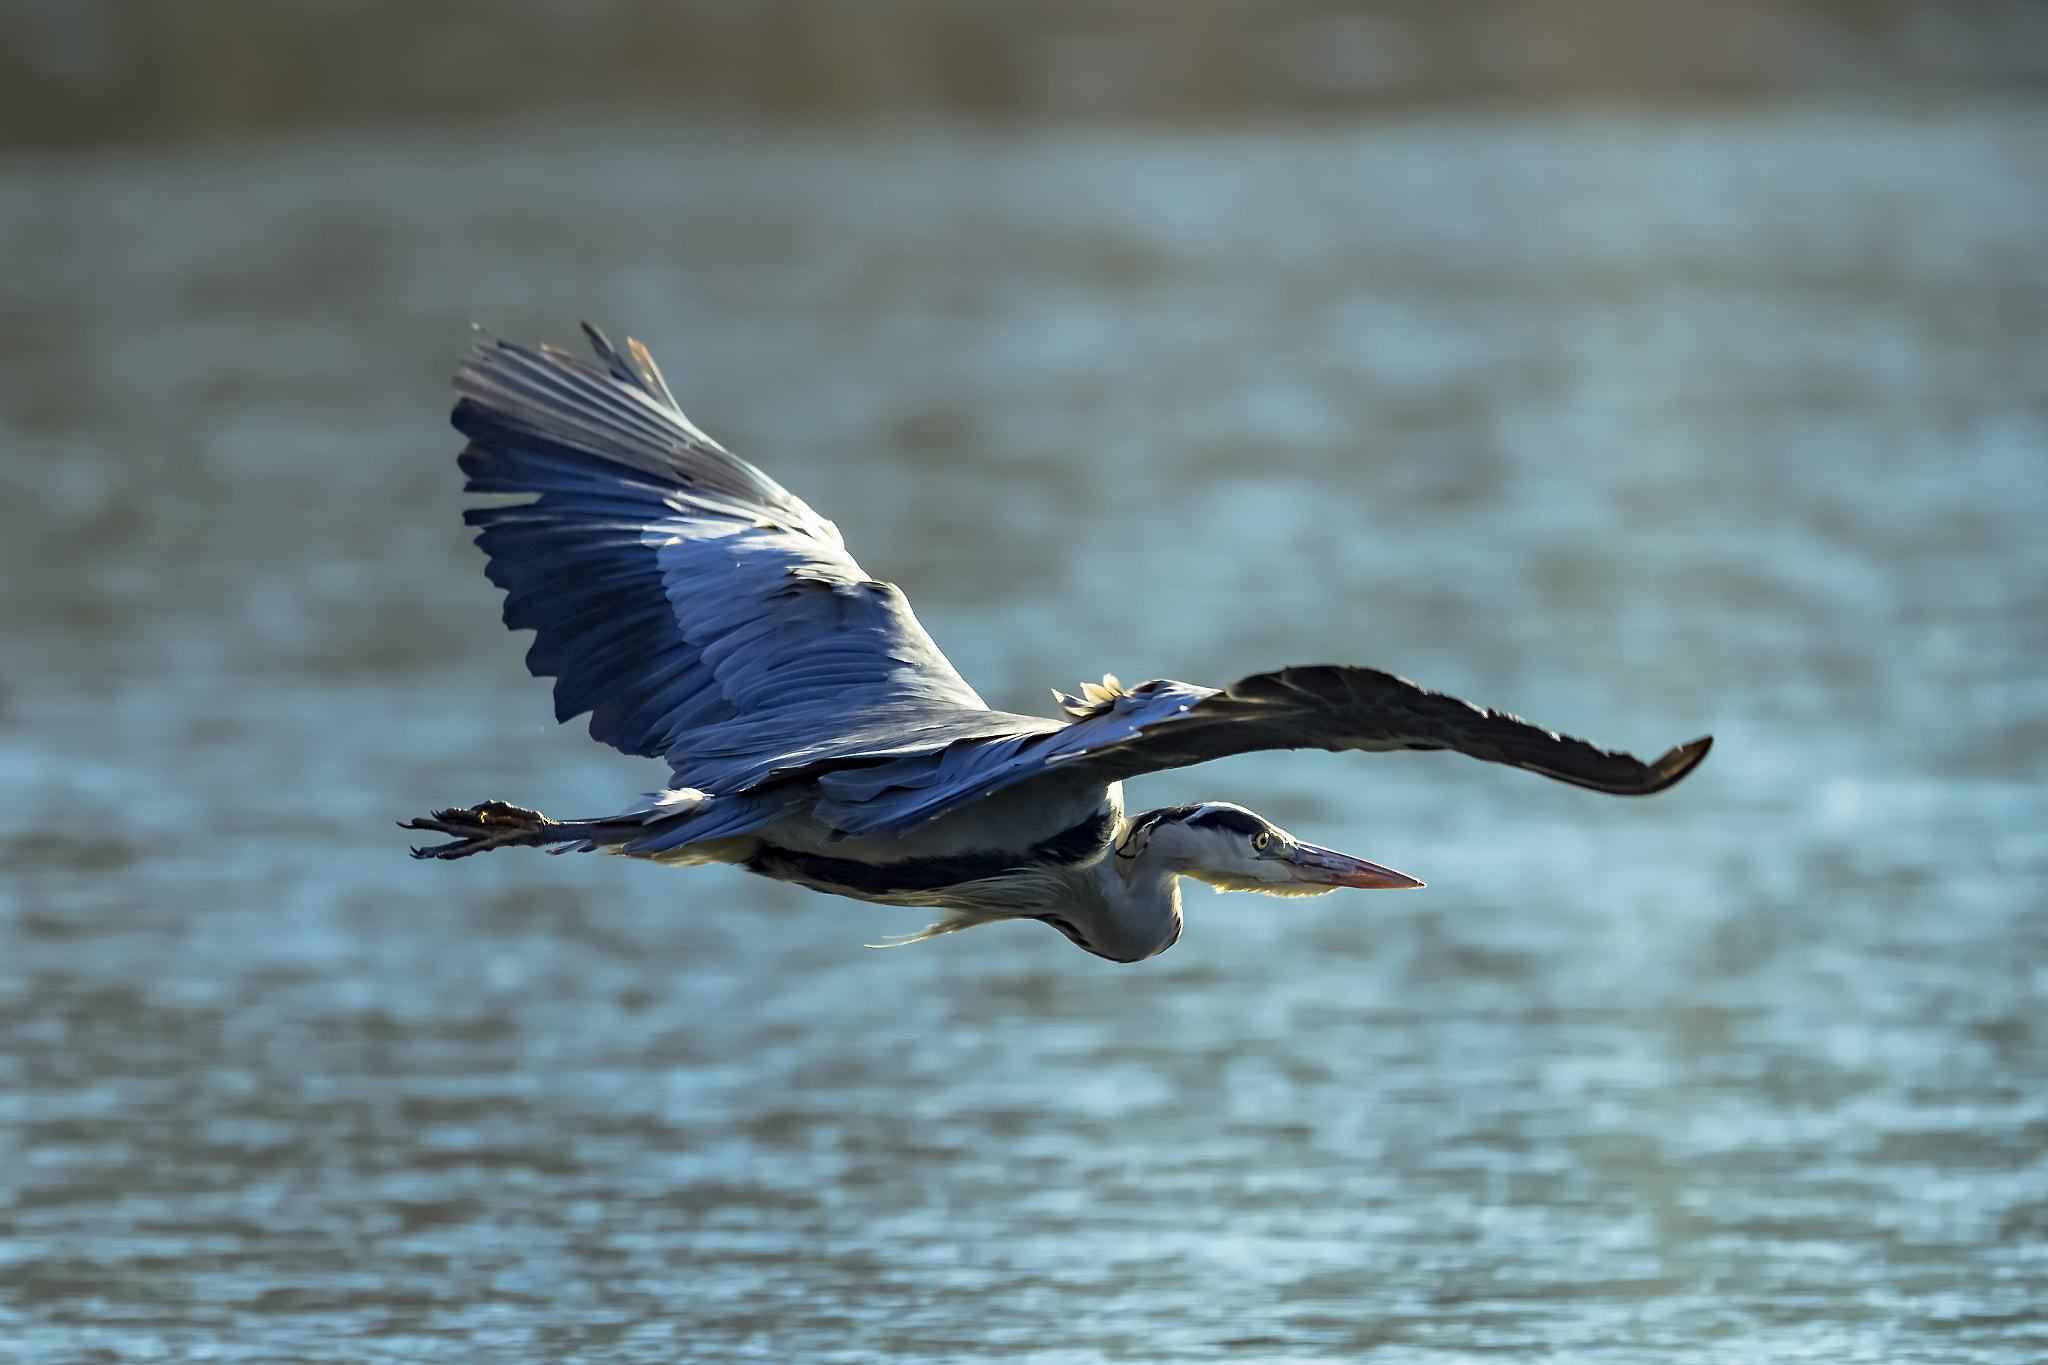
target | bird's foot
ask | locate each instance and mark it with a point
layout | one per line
(485, 826)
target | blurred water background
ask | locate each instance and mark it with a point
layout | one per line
(1656, 383)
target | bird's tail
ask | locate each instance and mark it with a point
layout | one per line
(659, 826)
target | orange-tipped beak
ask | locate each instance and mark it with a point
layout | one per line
(1327, 867)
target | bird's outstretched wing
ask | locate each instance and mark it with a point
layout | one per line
(675, 590)
(703, 614)
(1162, 725)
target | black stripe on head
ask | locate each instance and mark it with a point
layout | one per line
(1206, 815)
(1142, 826)
(1165, 815)
(1235, 819)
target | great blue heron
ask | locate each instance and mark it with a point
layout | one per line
(816, 735)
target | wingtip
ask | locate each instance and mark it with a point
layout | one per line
(1679, 761)
(482, 342)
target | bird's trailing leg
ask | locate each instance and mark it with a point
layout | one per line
(498, 824)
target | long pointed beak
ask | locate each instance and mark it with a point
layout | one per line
(1327, 867)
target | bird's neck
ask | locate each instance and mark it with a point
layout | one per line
(1136, 910)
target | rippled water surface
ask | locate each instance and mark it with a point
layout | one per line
(1642, 429)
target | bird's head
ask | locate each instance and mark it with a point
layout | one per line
(1232, 849)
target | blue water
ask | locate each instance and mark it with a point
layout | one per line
(1732, 423)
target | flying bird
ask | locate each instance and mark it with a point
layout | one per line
(815, 734)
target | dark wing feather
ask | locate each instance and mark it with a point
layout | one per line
(1326, 706)
(1162, 725)
(673, 588)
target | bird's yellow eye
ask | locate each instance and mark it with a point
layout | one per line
(1259, 842)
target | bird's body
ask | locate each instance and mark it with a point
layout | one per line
(816, 734)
